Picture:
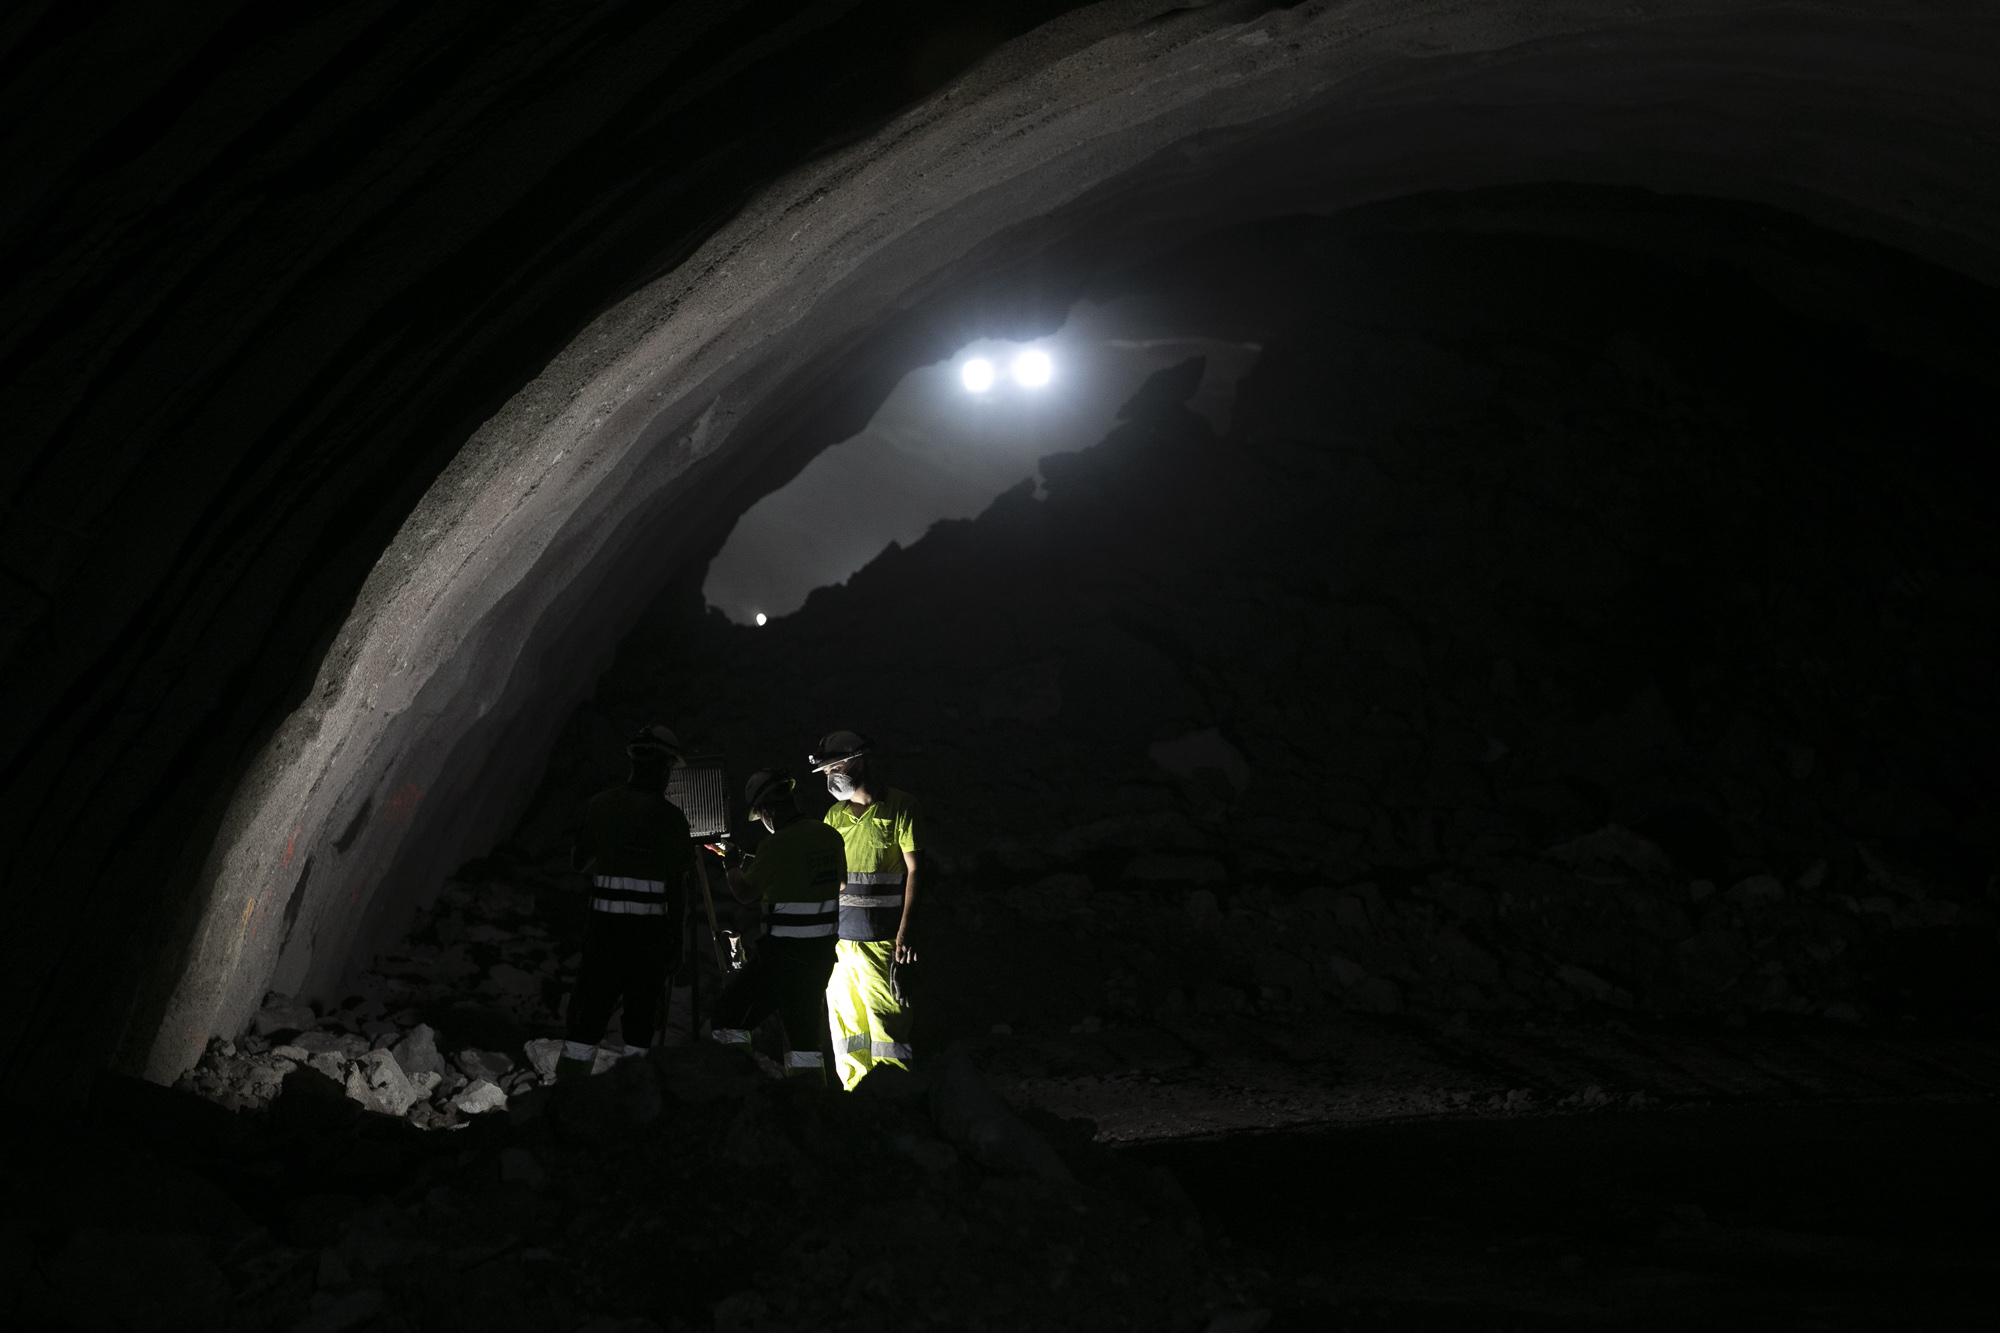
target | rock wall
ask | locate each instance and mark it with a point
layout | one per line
(1560, 624)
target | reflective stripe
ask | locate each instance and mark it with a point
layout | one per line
(620, 907)
(804, 1060)
(802, 932)
(579, 1050)
(852, 1044)
(731, 1036)
(630, 885)
(874, 900)
(635, 1050)
(877, 876)
(804, 909)
(890, 1050)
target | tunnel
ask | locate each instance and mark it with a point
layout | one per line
(1459, 794)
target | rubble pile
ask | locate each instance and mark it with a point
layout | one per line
(484, 960)
(681, 1190)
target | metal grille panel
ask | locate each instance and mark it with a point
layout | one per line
(698, 788)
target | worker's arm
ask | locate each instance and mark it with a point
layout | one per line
(733, 861)
(741, 887)
(906, 951)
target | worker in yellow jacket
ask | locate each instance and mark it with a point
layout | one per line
(865, 1008)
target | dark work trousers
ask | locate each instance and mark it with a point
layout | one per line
(784, 975)
(628, 958)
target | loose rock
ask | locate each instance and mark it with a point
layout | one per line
(480, 1098)
(378, 1083)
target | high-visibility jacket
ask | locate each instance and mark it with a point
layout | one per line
(637, 847)
(797, 873)
(871, 906)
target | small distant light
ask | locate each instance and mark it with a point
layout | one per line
(978, 374)
(760, 617)
(1032, 369)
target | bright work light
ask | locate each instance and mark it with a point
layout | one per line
(1032, 369)
(978, 374)
(760, 617)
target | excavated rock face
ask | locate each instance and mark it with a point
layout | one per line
(1557, 626)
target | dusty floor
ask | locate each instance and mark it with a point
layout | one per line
(1798, 1216)
(1149, 1082)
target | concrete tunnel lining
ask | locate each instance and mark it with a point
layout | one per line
(1101, 136)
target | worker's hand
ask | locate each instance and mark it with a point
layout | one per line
(905, 953)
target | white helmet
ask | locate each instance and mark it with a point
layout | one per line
(837, 746)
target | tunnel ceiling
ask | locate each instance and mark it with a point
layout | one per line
(279, 278)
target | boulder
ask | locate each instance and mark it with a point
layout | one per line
(379, 1083)
(489, 1065)
(978, 1122)
(417, 1052)
(480, 1098)
(542, 1053)
(330, 1063)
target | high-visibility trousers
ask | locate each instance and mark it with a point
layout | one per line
(868, 1026)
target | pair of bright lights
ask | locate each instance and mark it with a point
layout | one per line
(1031, 369)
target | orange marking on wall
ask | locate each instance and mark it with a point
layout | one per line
(404, 803)
(291, 843)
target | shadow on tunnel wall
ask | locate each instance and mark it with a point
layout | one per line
(1591, 607)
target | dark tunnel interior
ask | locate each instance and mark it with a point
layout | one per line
(1497, 830)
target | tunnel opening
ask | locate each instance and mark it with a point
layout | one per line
(1520, 770)
(1545, 728)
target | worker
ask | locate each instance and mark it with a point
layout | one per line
(865, 1004)
(797, 875)
(636, 846)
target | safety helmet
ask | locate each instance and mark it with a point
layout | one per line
(837, 746)
(767, 786)
(654, 742)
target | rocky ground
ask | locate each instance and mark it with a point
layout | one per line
(684, 1190)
